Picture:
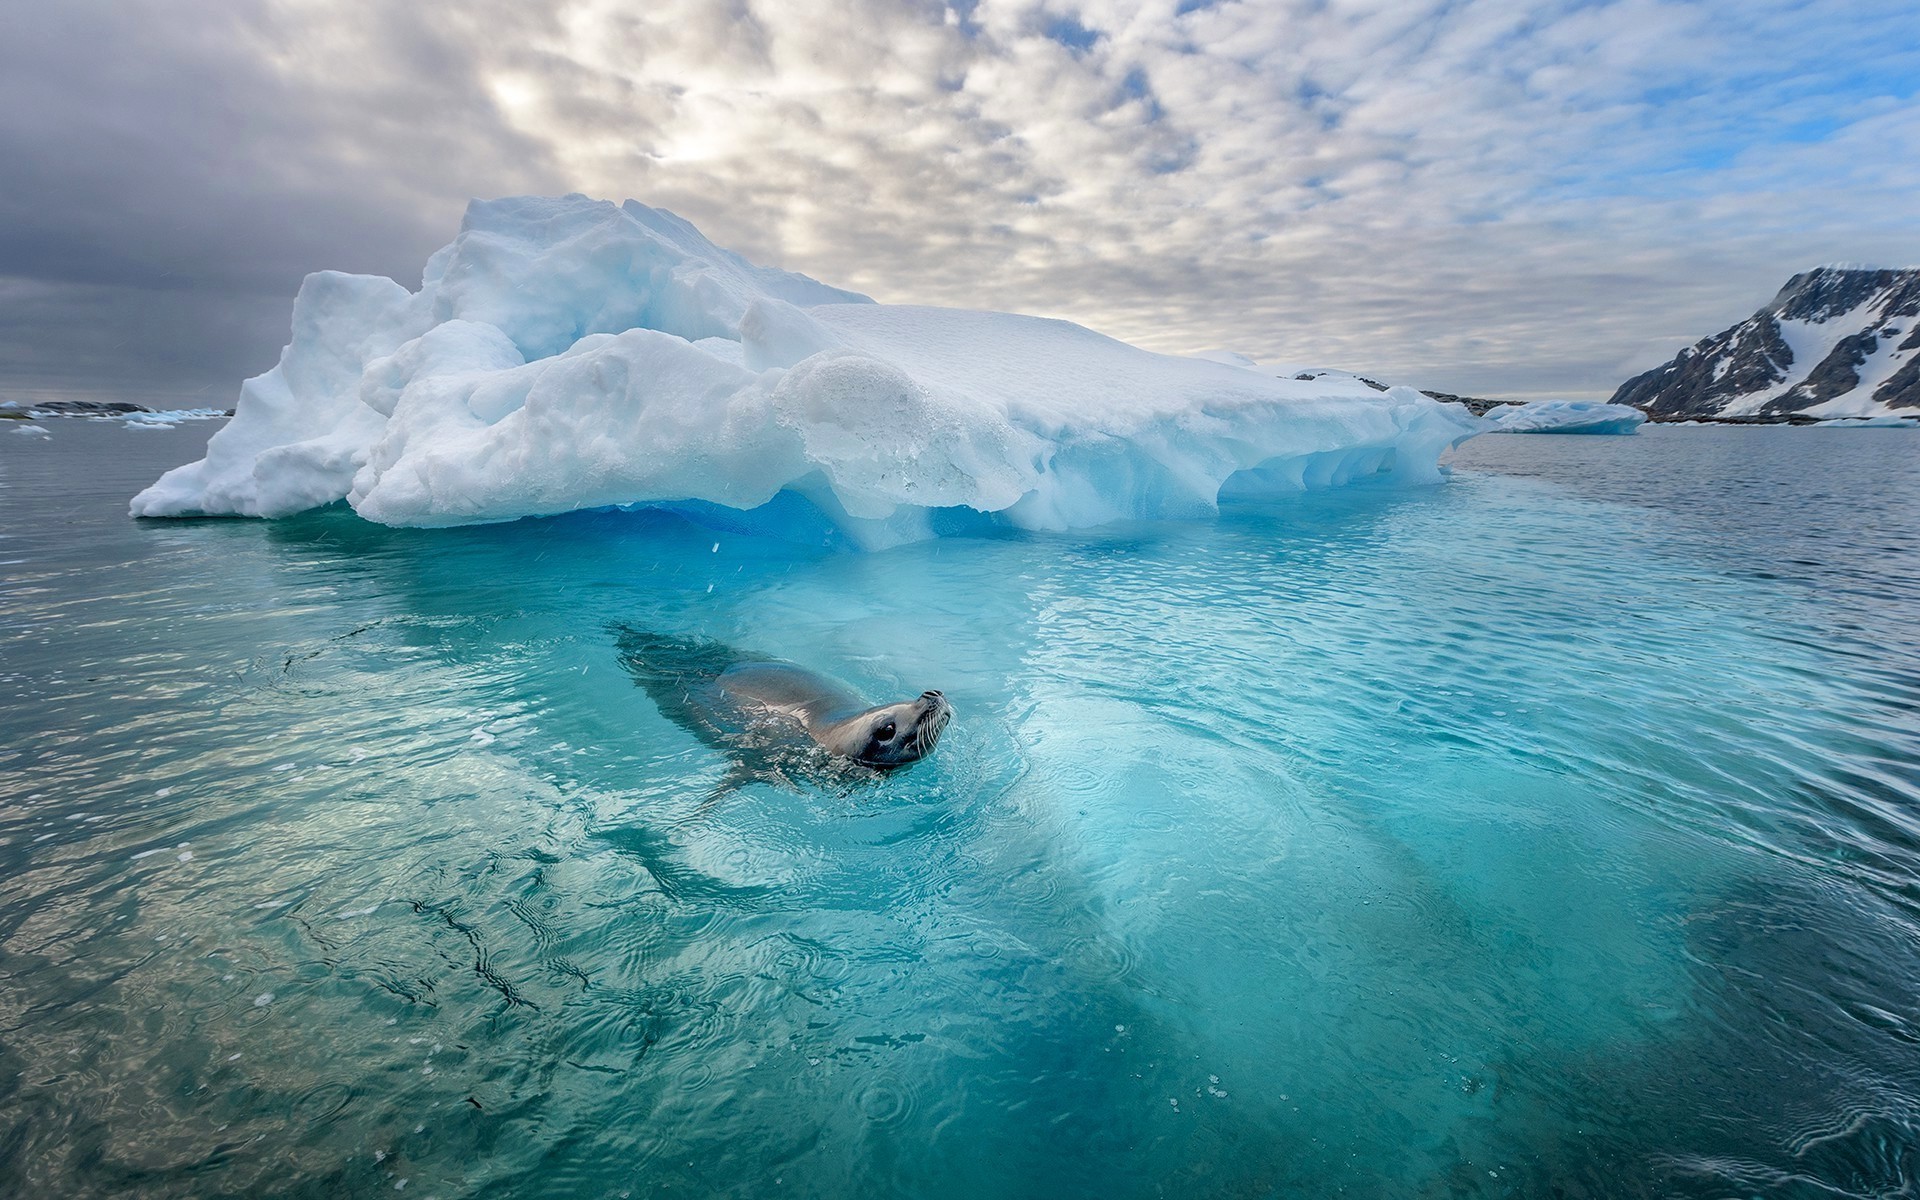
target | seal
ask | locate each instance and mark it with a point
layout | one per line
(773, 718)
(881, 736)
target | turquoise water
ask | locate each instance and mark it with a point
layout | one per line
(1551, 832)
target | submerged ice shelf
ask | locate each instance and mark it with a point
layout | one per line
(568, 353)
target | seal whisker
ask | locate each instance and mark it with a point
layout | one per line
(929, 730)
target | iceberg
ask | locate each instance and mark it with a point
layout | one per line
(170, 418)
(567, 353)
(1565, 416)
(1884, 421)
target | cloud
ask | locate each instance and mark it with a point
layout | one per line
(1485, 196)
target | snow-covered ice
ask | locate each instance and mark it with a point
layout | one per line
(568, 353)
(169, 418)
(1565, 416)
(1885, 421)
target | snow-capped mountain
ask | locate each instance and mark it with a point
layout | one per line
(1836, 342)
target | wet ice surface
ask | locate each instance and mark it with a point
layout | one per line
(1551, 828)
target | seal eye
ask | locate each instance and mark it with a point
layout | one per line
(885, 732)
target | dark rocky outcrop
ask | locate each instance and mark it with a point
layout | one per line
(75, 408)
(87, 408)
(1836, 375)
(1712, 372)
(1474, 404)
(1716, 373)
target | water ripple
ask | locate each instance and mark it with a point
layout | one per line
(1553, 829)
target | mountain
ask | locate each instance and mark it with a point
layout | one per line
(1836, 342)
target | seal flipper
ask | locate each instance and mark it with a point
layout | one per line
(663, 657)
(738, 776)
(678, 674)
(662, 856)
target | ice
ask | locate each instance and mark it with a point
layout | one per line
(1232, 358)
(1879, 422)
(567, 353)
(176, 415)
(1565, 416)
(171, 418)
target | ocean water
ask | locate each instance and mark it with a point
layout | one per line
(1552, 832)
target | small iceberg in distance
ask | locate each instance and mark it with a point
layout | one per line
(1565, 416)
(1884, 421)
(569, 353)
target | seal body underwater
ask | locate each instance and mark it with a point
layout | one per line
(774, 718)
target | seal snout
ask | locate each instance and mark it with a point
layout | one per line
(932, 720)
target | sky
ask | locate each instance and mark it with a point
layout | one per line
(1499, 199)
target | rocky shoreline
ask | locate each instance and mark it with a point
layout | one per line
(94, 409)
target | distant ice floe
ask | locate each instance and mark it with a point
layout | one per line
(567, 353)
(1565, 416)
(1880, 422)
(170, 418)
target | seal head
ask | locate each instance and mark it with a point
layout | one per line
(891, 735)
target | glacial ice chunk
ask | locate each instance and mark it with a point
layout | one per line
(567, 353)
(1565, 416)
(1884, 421)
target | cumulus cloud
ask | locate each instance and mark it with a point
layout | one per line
(1494, 197)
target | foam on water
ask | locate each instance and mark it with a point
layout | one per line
(1488, 839)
